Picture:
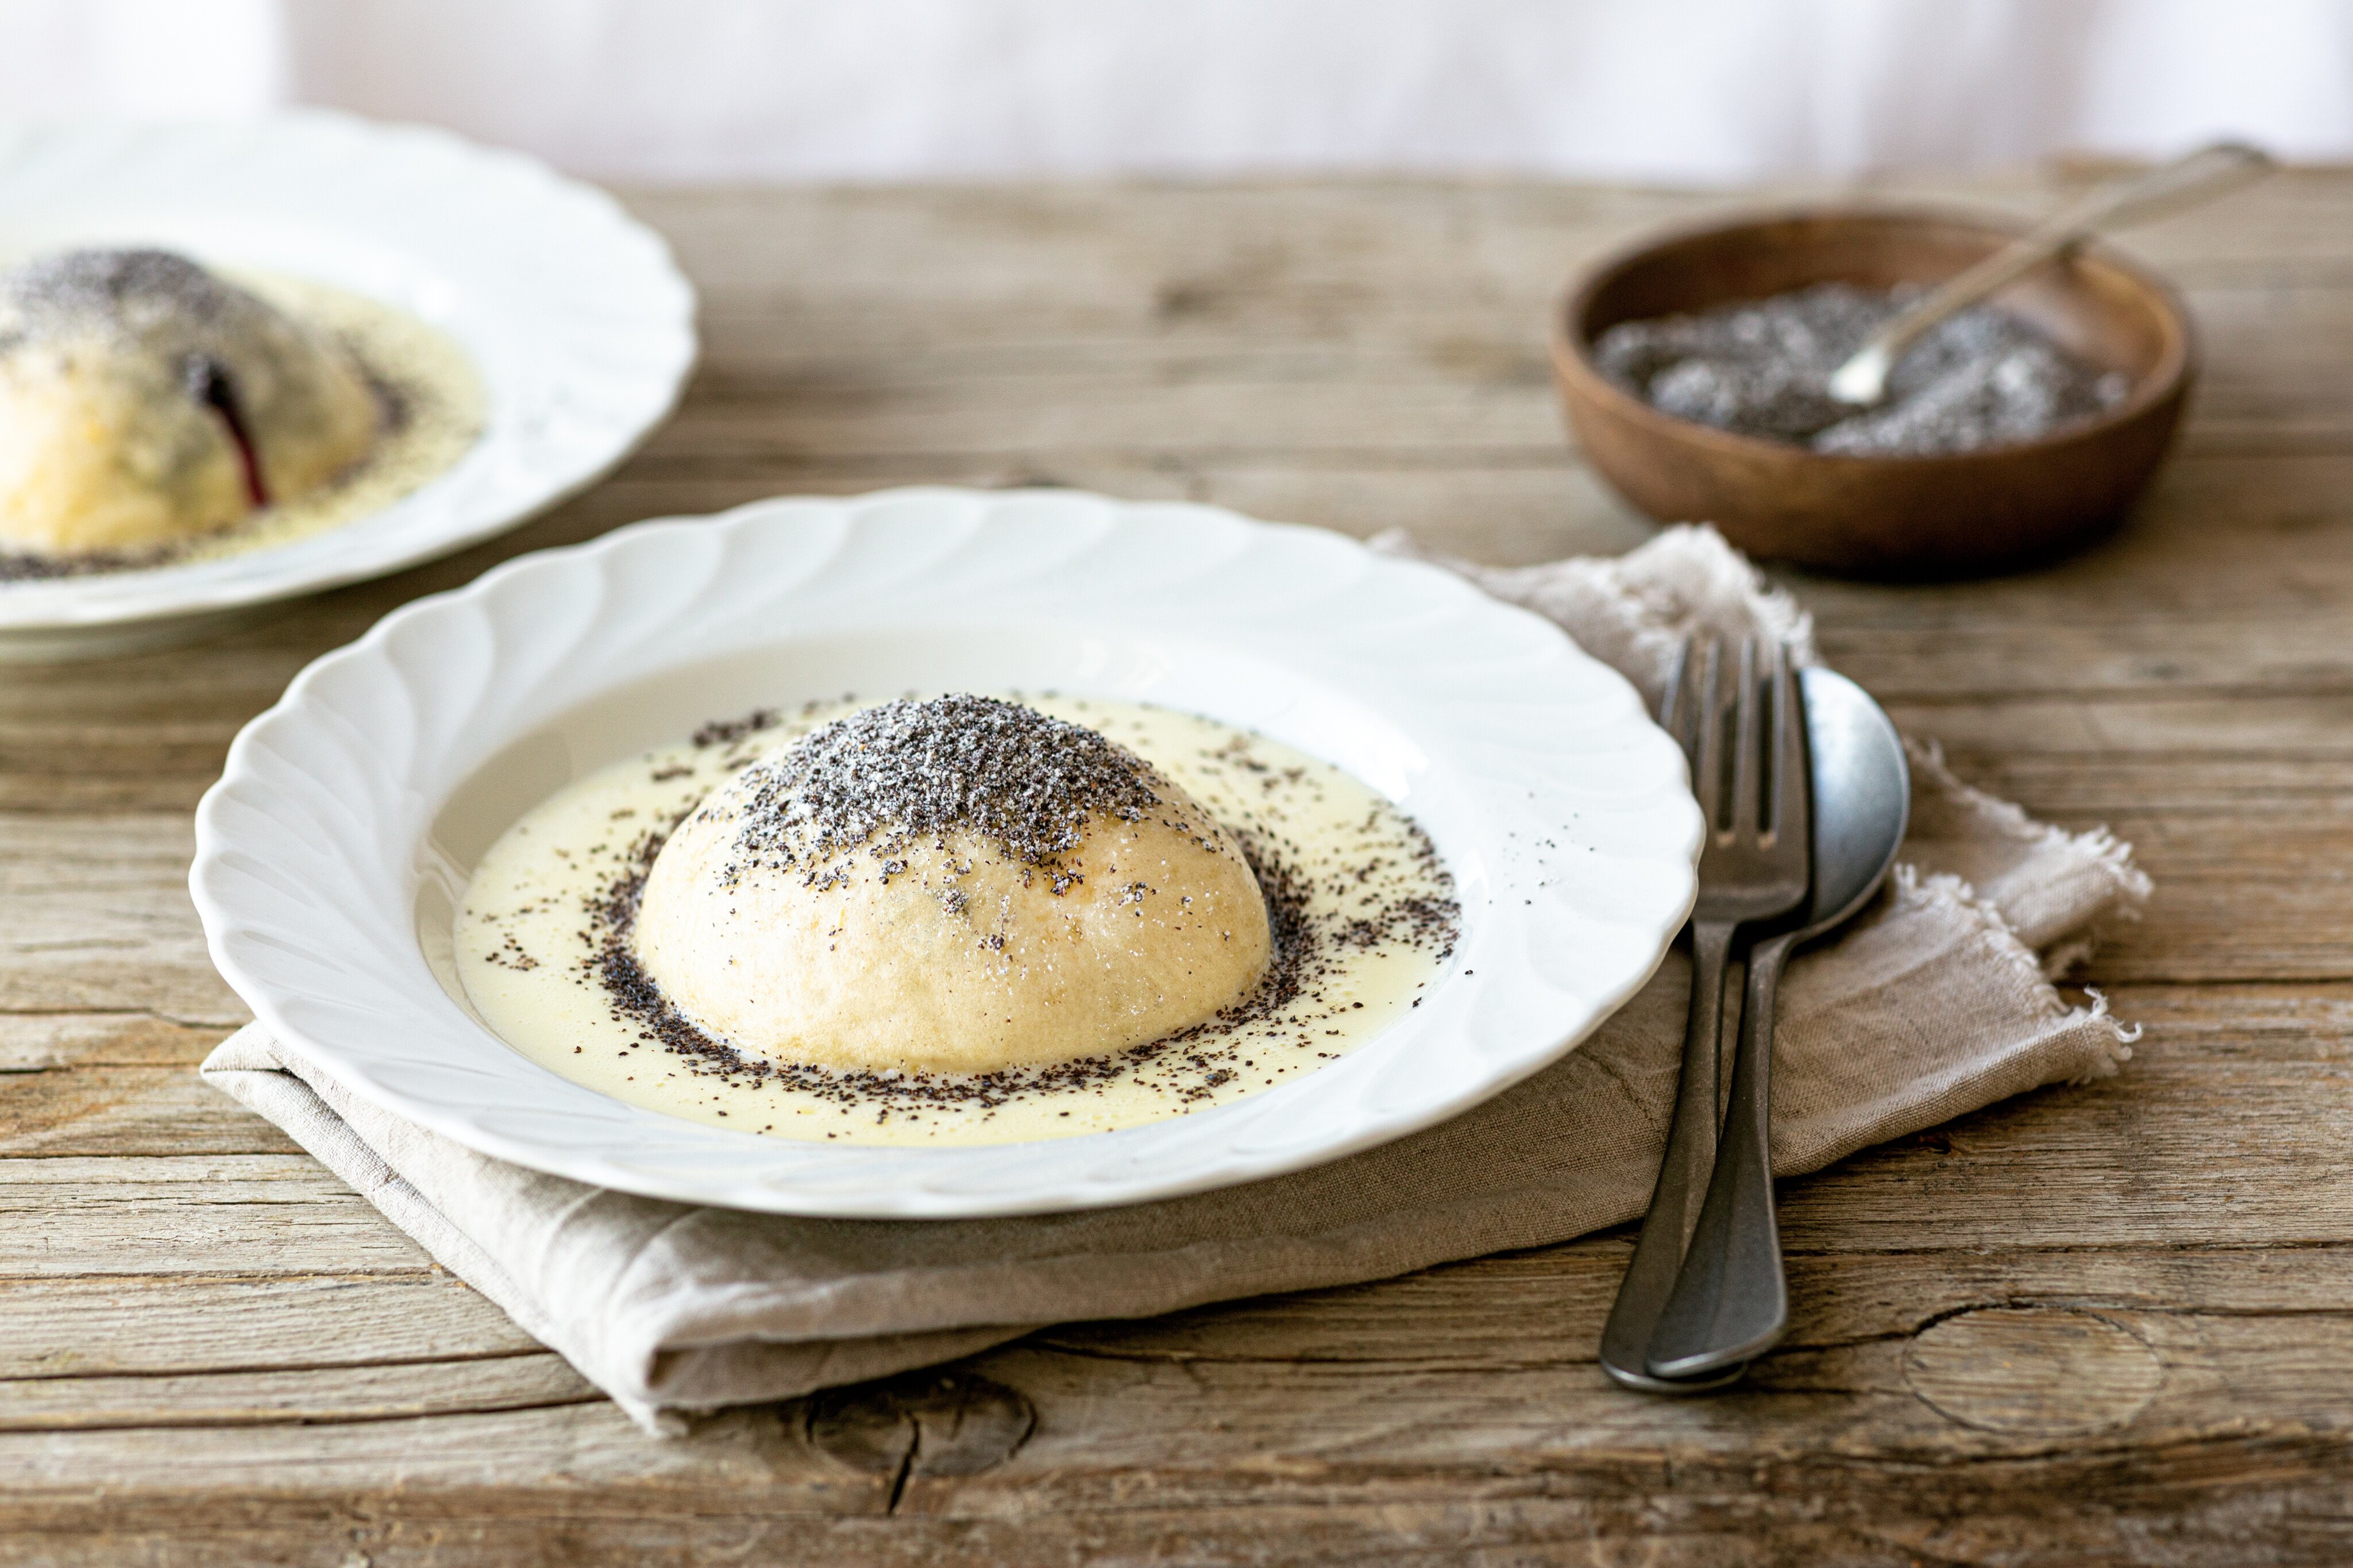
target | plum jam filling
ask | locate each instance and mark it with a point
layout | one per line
(209, 385)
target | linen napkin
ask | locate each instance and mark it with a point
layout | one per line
(1931, 1004)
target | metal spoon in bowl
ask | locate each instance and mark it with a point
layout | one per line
(1731, 1301)
(2200, 176)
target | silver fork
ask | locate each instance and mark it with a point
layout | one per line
(1746, 749)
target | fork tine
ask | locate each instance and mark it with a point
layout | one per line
(1790, 786)
(1705, 747)
(1673, 699)
(1749, 754)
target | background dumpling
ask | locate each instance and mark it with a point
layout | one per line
(143, 400)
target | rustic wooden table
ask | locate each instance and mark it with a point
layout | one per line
(2111, 1323)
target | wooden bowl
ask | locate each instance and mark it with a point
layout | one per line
(1879, 516)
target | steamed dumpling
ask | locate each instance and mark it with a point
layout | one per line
(956, 885)
(143, 400)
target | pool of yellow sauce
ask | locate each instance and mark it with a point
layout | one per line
(527, 946)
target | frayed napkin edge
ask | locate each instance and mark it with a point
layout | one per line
(2097, 848)
(2007, 948)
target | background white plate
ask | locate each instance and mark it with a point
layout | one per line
(331, 854)
(579, 325)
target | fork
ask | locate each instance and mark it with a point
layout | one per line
(1755, 867)
(1731, 1299)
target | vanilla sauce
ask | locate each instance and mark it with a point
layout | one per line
(1363, 907)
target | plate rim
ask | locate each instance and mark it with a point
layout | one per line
(373, 656)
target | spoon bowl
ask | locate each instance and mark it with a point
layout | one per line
(1863, 798)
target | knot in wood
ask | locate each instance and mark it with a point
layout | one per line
(924, 1423)
(2036, 1370)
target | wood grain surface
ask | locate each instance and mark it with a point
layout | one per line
(2097, 1325)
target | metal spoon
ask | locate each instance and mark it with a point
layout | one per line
(1862, 380)
(1731, 1301)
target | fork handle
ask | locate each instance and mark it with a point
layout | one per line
(1731, 1301)
(1691, 1152)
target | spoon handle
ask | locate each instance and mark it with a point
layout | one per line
(2200, 176)
(1731, 1302)
(1690, 1152)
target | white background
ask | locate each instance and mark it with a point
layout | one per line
(1679, 90)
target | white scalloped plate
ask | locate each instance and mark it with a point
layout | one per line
(331, 854)
(578, 323)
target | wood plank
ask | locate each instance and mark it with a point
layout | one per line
(128, 1110)
(377, 1391)
(1546, 1308)
(94, 914)
(40, 1042)
(586, 1460)
(145, 1325)
(207, 1214)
